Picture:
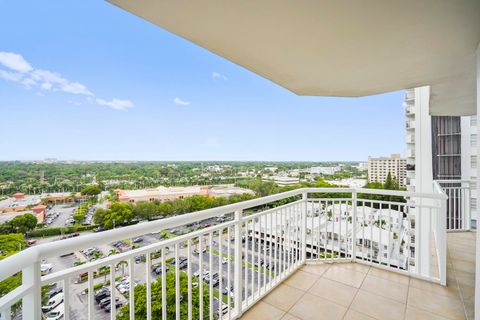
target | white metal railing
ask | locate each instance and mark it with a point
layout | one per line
(219, 271)
(458, 203)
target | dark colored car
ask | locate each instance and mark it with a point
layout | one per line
(106, 302)
(102, 294)
(53, 293)
(118, 304)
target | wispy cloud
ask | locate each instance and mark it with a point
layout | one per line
(15, 62)
(181, 102)
(116, 104)
(219, 76)
(20, 71)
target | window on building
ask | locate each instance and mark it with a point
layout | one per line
(473, 120)
(473, 162)
(473, 140)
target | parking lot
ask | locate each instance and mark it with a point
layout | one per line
(78, 298)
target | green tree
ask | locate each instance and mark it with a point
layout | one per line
(118, 214)
(91, 190)
(156, 290)
(146, 210)
(20, 224)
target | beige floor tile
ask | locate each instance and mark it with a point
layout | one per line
(317, 269)
(355, 315)
(377, 306)
(283, 297)
(346, 276)
(355, 266)
(288, 316)
(465, 278)
(263, 311)
(418, 314)
(311, 307)
(302, 280)
(334, 291)
(435, 303)
(389, 275)
(449, 291)
(462, 265)
(385, 288)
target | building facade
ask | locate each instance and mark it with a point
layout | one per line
(452, 152)
(379, 168)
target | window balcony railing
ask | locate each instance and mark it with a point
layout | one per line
(458, 203)
(220, 271)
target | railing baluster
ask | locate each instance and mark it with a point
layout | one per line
(210, 266)
(270, 249)
(177, 284)
(189, 276)
(220, 272)
(259, 257)
(31, 303)
(131, 291)
(238, 252)
(148, 284)
(246, 259)
(66, 299)
(113, 309)
(229, 275)
(6, 314)
(164, 285)
(200, 275)
(91, 306)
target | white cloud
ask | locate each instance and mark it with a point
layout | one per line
(219, 76)
(181, 102)
(10, 76)
(20, 71)
(116, 104)
(15, 62)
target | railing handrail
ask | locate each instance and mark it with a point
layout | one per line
(22, 259)
(454, 180)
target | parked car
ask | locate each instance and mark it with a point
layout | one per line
(106, 301)
(137, 240)
(53, 302)
(46, 268)
(56, 313)
(180, 259)
(102, 294)
(107, 308)
(53, 293)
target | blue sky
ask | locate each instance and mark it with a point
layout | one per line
(85, 80)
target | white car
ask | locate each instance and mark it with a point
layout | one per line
(53, 302)
(56, 313)
(224, 260)
(46, 268)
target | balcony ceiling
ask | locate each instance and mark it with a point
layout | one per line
(338, 48)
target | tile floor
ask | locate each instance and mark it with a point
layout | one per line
(355, 291)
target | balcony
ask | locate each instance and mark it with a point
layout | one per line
(358, 291)
(313, 239)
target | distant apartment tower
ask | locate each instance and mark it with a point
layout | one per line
(378, 169)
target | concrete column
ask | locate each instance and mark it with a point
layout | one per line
(423, 176)
(477, 264)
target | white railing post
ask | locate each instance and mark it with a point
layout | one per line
(354, 225)
(442, 242)
(238, 283)
(304, 227)
(32, 302)
(468, 208)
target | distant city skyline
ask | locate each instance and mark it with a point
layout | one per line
(119, 88)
